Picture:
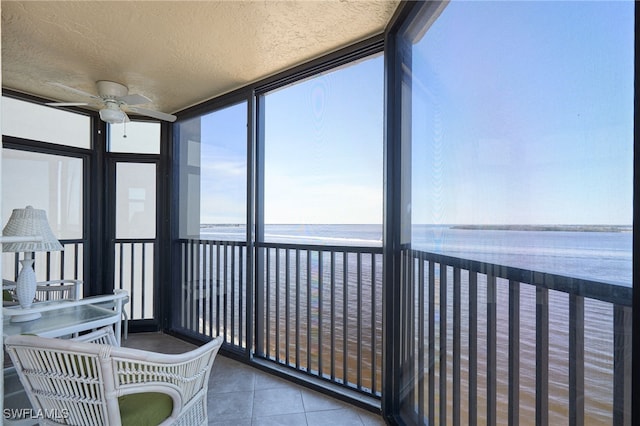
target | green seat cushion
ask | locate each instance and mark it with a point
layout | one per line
(145, 409)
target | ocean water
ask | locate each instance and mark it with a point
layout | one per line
(598, 256)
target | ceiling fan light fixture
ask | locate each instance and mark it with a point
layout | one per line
(112, 116)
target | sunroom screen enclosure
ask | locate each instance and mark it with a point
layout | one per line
(486, 274)
(516, 222)
(317, 268)
(512, 299)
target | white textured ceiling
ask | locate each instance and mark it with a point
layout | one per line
(177, 53)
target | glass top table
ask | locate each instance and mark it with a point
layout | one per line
(63, 317)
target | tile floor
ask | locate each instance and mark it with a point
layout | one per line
(240, 395)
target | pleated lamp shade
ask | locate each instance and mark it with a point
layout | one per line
(29, 222)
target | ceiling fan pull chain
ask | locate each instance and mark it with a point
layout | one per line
(124, 126)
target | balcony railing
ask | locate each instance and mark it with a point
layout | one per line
(488, 343)
(134, 272)
(212, 293)
(320, 312)
(483, 341)
(492, 344)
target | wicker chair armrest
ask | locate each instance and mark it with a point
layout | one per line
(66, 281)
(187, 372)
(102, 336)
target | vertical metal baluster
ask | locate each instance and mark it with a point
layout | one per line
(457, 314)
(62, 274)
(143, 278)
(542, 356)
(622, 319)
(277, 284)
(132, 284)
(287, 262)
(211, 286)
(443, 345)
(267, 284)
(491, 350)
(225, 295)
(333, 316)
(47, 263)
(373, 310)
(576, 360)
(241, 296)
(76, 260)
(232, 284)
(218, 295)
(410, 323)
(514, 352)
(184, 263)
(473, 348)
(320, 283)
(359, 321)
(421, 339)
(298, 309)
(345, 317)
(194, 285)
(432, 344)
(308, 311)
(206, 287)
(121, 272)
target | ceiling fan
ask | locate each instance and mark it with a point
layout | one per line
(114, 101)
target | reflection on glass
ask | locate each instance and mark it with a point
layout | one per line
(135, 137)
(214, 174)
(135, 200)
(49, 182)
(37, 122)
(521, 142)
(324, 155)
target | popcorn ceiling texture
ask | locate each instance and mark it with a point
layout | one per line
(177, 53)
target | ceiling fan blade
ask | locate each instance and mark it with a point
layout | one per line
(155, 114)
(73, 90)
(66, 104)
(134, 99)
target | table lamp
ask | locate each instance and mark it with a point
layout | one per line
(28, 222)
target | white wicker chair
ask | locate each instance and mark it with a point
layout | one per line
(49, 290)
(75, 382)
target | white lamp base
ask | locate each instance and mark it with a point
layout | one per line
(26, 291)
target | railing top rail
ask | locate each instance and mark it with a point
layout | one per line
(605, 292)
(291, 246)
(71, 241)
(323, 247)
(212, 242)
(134, 240)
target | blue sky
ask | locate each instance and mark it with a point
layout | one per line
(523, 113)
(223, 180)
(324, 148)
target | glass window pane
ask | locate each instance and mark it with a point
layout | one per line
(213, 189)
(135, 200)
(518, 125)
(324, 156)
(135, 137)
(50, 182)
(41, 123)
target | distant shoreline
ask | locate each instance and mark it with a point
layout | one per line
(539, 228)
(556, 228)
